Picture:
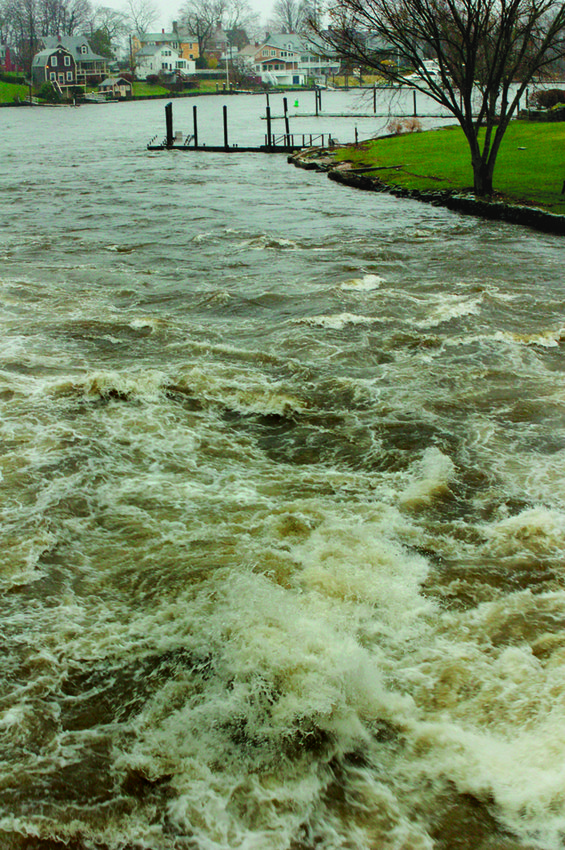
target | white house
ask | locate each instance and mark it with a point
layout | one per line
(158, 58)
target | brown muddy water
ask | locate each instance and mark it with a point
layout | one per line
(282, 505)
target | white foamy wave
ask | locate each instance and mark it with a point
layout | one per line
(262, 243)
(143, 384)
(545, 339)
(451, 307)
(21, 563)
(241, 390)
(149, 323)
(367, 283)
(434, 473)
(537, 530)
(338, 321)
(121, 249)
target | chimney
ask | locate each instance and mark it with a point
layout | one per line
(175, 26)
(163, 31)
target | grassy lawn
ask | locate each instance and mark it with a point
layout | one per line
(10, 91)
(141, 89)
(530, 168)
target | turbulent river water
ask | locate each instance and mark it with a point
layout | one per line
(282, 503)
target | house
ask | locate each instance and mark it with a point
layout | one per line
(90, 67)
(115, 87)
(178, 39)
(290, 59)
(277, 60)
(218, 45)
(161, 58)
(54, 65)
(8, 61)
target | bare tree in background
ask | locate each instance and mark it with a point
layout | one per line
(200, 18)
(239, 18)
(108, 30)
(141, 15)
(62, 17)
(287, 15)
(487, 52)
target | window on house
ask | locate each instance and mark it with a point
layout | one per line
(52, 75)
(53, 61)
(84, 49)
(67, 60)
(273, 52)
(69, 76)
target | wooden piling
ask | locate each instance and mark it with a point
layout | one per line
(226, 145)
(268, 113)
(195, 124)
(286, 124)
(169, 123)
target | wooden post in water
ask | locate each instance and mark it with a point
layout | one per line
(226, 127)
(268, 111)
(375, 98)
(169, 123)
(195, 123)
(318, 95)
(286, 125)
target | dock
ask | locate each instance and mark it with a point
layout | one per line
(282, 143)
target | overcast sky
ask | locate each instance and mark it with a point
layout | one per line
(169, 10)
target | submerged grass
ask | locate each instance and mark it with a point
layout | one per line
(530, 167)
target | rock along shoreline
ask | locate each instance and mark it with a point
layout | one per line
(321, 159)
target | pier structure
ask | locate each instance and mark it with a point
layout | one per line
(286, 142)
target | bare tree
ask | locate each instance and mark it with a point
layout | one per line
(20, 29)
(63, 17)
(238, 19)
(112, 23)
(200, 18)
(287, 15)
(487, 52)
(141, 15)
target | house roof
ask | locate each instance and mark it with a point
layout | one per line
(43, 55)
(166, 37)
(286, 41)
(114, 81)
(154, 49)
(74, 44)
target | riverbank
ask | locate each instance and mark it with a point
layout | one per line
(394, 165)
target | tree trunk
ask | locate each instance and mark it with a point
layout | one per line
(482, 177)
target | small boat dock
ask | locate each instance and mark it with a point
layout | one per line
(282, 143)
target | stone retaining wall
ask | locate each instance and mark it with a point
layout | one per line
(320, 159)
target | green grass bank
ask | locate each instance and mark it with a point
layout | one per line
(530, 168)
(9, 92)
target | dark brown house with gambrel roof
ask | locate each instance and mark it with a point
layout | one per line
(54, 65)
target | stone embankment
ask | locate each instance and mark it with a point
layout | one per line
(322, 159)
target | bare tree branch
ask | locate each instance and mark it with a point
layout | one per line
(486, 53)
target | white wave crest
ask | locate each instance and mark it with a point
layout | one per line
(367, 283)
(338, 321)
(434, 473)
